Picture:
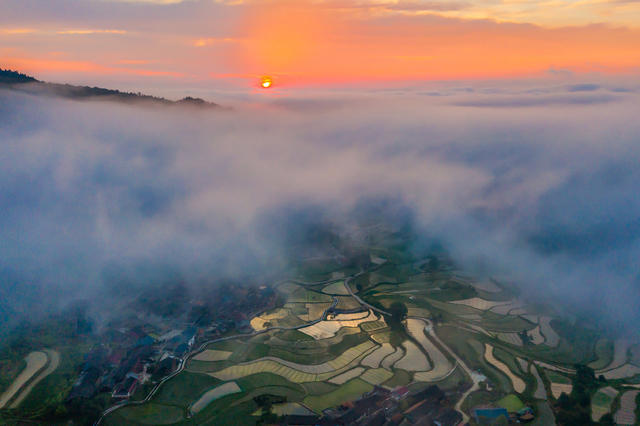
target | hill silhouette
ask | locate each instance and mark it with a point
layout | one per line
(17, 81)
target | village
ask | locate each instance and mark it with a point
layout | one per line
(136, 353)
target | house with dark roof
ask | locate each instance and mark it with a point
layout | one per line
(126, 389)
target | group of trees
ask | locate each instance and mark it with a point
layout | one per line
(13, 77)
(398, 313)
(575, 409)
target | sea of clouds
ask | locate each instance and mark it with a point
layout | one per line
(539, 184)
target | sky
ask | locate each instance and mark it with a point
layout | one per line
(230, 44)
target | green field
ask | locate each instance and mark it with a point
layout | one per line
(146, 414)
(399, 378)
(511, 403)
(261, 380)
(302, 295)
(185, 388)
(353, 389)
(604, 354)
(556, 377)
(319, 388)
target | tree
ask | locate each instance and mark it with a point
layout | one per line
(398, 312)
(607, 419)
(565, 402)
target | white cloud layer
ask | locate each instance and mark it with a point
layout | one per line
(544, 190)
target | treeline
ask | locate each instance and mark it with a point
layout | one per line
(13, 77)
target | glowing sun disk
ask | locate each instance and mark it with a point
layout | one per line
(266, 82)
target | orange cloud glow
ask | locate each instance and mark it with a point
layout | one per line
(315, 44)
(300, 42)
(85, 32)
(17, 31)
(37, 65)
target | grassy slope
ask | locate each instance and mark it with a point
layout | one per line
(185, 388)
(353, 389)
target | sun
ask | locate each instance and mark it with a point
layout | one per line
(266, 82)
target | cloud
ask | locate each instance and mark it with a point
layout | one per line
(545, 195)
(88, 32)
(425, 6)
(533, 101)
(586, 87)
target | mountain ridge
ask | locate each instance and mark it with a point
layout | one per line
(17, 81)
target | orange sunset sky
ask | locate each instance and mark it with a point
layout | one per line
(302, 42)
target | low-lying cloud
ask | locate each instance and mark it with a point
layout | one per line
(546, 194)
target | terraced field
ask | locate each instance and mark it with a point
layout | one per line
(441, 365)
(346, 376)
(552, 367)
(508, 308)
(627, 370)
(626, 414)
(376, 376)
(391, 359)
(478, 303)
(290, 408)
(294, 372)
(349, 391)
(511, 338)
(211, 355)
(258, 323)
(551, 337)
(147, 414)
(343, 356)
(413, 359)
(54, 359)
(36, 361)
(486, 285)
(559, 383)
(327, 329)
(540, 392)
(518, 384)
(215, 393)
(536, 336)
(374, 359)
(336, 288)
(373, 325)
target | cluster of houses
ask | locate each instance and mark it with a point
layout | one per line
(130, 358)
(146, 348)
(385, 407)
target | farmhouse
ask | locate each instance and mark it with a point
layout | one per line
(126, 389)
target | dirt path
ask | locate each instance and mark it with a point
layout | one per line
(54, 362)
(474, 378)
(35, 361)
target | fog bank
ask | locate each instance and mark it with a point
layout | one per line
(537, 185)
